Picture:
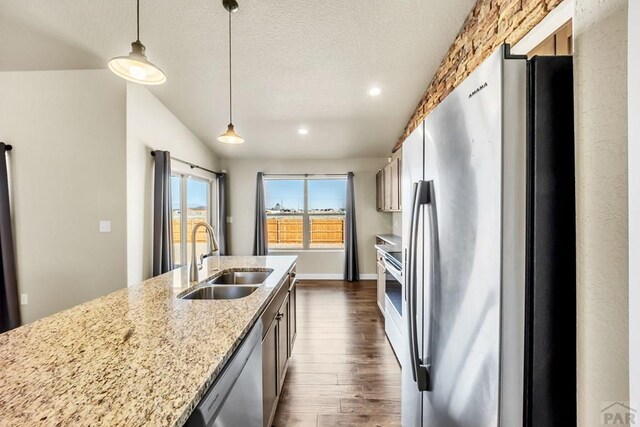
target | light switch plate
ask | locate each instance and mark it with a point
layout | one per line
(24, 299)
(105, 226)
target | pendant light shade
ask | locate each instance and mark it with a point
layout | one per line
(135, 67)
(230, 136)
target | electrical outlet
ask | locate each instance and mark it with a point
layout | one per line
(105, 226)
(24, 299)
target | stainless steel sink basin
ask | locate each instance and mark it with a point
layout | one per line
(241, 278)
(221, 292)
(229, 285)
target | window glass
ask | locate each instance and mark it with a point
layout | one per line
(305, 213)
(285, 209)
(197, 198)
(326, 208)
(176, 216)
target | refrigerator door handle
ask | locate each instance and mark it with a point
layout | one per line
(409, 283)
(422, 192)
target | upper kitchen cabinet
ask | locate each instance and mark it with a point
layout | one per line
(388, 195)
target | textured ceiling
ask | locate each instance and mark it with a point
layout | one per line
(296, 63)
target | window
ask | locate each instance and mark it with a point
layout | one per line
(191, 198)
(305, 212)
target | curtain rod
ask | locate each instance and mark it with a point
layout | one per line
(191, 165)
(7, 147)
(305, 174)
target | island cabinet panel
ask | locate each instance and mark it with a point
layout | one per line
(269, 373)
(293, 324)
(283, 341)
(279, 324)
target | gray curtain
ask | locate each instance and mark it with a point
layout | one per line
(9, 303)
(351, 271)
(260, 237)
(222, 213)
(162, 221)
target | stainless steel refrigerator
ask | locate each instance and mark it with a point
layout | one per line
(489, 251)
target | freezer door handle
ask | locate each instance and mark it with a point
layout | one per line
(422, 193)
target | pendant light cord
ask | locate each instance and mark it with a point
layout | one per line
(138, 20)
(230, 86)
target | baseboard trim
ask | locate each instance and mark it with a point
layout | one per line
(367, 276)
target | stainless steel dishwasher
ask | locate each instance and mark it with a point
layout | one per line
(235, 398)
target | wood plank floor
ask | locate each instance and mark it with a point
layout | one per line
(343, 371)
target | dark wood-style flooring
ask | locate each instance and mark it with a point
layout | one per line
(343, 371)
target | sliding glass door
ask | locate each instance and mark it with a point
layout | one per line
(193, 201)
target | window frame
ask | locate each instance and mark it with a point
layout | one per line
(211, 216)
(306, 225)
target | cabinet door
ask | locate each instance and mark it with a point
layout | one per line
(293, 327)
(381, 286)
(269, 372)
(283, 341)
(399, 182)
(393, 171)
(387, 187)
(380, 190)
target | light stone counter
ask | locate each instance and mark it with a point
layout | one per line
(138, 356)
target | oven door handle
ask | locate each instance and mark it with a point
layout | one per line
(393, 270)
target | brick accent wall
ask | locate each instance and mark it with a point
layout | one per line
(489, 24)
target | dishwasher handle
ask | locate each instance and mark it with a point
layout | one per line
(207, 410)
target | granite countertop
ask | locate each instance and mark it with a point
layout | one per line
(138, 356)
(391, 239)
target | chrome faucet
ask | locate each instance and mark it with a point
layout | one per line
(213, 247)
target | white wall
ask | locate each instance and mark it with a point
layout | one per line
(242, 190)
(67, 173)
(151, 126)
(634, 201)
(600, 37)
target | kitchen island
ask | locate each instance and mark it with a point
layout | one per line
(138, 356)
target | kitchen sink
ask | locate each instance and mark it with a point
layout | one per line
(229, 285)
(241, 278)
(221, 292)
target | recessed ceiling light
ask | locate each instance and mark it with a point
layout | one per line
(303, 131)
(374, 91)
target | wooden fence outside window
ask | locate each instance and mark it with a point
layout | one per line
(288, 231)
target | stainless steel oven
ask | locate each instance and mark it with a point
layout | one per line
(393, 299)
(394, 279)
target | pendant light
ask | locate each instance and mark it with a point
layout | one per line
(230, 136)
(135, 67)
